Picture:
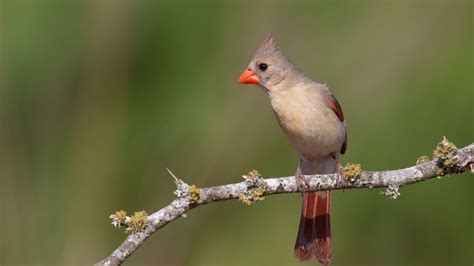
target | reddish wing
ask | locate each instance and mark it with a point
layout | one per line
(336, 107)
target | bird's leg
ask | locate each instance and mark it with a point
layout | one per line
(301, 181)
(338, 165)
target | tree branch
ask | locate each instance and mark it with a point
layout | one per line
(446, 161)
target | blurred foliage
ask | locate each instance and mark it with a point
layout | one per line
(97, 98)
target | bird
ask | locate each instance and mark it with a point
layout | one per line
(312, 119)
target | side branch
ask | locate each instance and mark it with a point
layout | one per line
(190, 197)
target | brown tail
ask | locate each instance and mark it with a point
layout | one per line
(314, 233)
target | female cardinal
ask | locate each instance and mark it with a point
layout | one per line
(312, 119)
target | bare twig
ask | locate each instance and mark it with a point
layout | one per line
(448, 160)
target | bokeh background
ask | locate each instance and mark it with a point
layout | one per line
(97, 98)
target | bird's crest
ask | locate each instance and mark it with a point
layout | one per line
(268, 47)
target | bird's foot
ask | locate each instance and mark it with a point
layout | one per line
(339, 172)
(301, 182)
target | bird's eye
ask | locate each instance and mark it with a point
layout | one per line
(263, 66)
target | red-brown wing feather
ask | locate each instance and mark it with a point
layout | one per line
(336, 107)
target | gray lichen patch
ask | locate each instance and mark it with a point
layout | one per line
(255, 188)
(183, 190)
(181, 187)
(392, 192)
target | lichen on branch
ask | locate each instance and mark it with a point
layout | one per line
(133, 224)
(445, 154)
(194, 193)
(352, 171)
(447, 160)
(255, 188)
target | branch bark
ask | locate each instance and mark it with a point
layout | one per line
(189, 197)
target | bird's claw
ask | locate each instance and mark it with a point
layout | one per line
(301, 182)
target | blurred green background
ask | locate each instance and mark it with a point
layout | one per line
(97, 98)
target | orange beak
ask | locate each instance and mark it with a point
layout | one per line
(249, 77)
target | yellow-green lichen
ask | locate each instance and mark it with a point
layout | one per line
(423, 159)
(244, 199)
(352, 171)
(194, 193)
(450, 162)
(444, 149)
(255, 188)
(440, 172)
(138, 222)
(251, 196)
(121, 215)
(444, 153)
(119, 218)
(252, 176)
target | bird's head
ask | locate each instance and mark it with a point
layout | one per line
(268, 66)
